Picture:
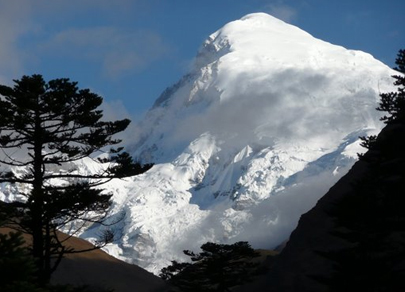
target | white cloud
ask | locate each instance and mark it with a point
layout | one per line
(357, 18)
(62, 9)
(113, 111)
(279, 215)
(282, 11)
(117, 52)
(28, 30)
(14, 23)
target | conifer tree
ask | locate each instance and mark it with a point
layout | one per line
(394, 102)
(44, 128)
(16, 266)
(217, 268)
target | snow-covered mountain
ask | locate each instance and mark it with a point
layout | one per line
(267, 120)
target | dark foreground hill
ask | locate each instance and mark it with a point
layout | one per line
(354, 238)
(99, 270)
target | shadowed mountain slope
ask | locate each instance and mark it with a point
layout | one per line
(354, 238)
(98, 269)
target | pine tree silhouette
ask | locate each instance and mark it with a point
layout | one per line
(218, 267)
(44, 128)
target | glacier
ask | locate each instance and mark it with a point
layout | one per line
(265, 122)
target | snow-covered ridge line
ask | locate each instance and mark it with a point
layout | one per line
(265, 122)
(261, 127)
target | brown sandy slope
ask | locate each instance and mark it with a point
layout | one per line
(98, 269)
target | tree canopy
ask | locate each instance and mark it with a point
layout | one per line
(45, 127)
(217, 268)
(394, 102)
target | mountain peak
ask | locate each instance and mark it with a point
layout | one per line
(243, 35)
(268, 39)
(266, 121)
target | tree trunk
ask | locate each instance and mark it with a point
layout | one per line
(37, 206)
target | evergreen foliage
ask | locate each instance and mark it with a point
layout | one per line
(16, 265)
(44, 127)
(218, 267)
(394, 102)
(391, 102)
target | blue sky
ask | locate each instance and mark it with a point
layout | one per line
(129, 51)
